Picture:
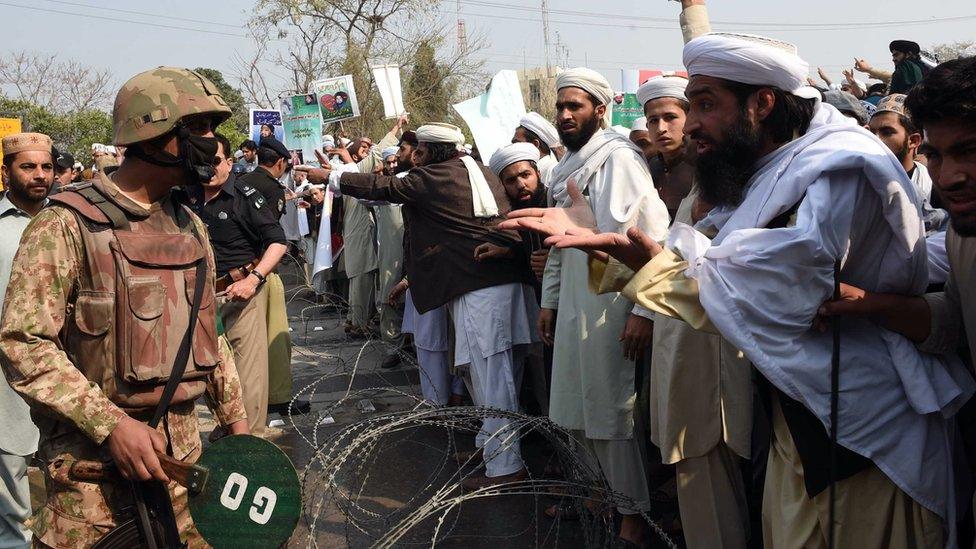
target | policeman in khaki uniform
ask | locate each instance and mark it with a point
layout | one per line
(98, 303)
(248, 243)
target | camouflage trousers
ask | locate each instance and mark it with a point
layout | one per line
(78, 513)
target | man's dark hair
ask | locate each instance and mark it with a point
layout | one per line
(225, 144)
(908, 124)
(409, 137)
(877, 88)
(267, 156)
(249, 144)
(532, 136)
(948, 92)
(8, 160)
(790, 117)
(441, 152)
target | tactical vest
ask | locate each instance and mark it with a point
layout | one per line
(129, 312)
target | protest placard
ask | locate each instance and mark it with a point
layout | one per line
(302, 122)
(387, 79)
(267, 119)
(337, 98)
(493, 116)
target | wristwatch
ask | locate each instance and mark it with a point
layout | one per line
(261, 277)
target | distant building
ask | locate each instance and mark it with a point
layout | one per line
(539, 90)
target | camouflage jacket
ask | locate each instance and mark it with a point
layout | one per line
(46, 273)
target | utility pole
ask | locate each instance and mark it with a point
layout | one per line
(462, 39)
(545, 38)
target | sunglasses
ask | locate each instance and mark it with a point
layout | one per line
(216, 161)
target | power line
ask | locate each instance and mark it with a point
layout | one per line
(741, 24)
(133, 12)
(119, 20)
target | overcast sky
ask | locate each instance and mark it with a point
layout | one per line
(133, 35)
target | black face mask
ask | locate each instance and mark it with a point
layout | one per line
(195, 157)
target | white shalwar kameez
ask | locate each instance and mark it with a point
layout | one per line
(493, 328)
(856, 204)
(593, 390)
(432, 341)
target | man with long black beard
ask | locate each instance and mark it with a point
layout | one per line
(452, 205)
(596, 338)
(804, 196)
(99, 303)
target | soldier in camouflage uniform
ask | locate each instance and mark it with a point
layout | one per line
(98, 303)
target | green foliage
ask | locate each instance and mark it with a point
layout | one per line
(73, 131)
(428, 92)
(234, 100)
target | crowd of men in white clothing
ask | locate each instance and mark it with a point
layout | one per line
(754, 313)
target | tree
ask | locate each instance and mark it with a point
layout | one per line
(334, 37)
(73, 131)
(232, 96)
(61, 86)
(428, 92)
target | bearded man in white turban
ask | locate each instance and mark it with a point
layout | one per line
(804, 198)
(452, 205)
(535, 129)
(597, 337)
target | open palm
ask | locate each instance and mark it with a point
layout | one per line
(577, 218)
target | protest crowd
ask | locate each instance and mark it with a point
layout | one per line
(754, 310)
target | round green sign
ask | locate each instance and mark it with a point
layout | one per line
(251, 497)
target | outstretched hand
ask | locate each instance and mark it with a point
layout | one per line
(317, 176)
(634, 249)
(577, 217)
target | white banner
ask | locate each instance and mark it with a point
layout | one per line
(493, 116)
(388, 82)
(323, 248)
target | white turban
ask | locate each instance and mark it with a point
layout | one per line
(510, 154)
(639, 125)
(748, 59)
(482, 200)
(591, 82)
(388, 152)
(439, 132)
(537, 124)
(662, 86)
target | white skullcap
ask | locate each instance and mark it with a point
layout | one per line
(587, 80)
(748, 59)
(639, 125)
(510, 154)
(439, 132)
(591, 82)
(662, 86)
(388, 152)
(537, 124)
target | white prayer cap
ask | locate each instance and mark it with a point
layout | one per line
(748, 59)
(389, 151)
(510, 154)
(440, 132)
(639, 125)
(662, 86)
(587, 80)
(537, 124)
(591, 82)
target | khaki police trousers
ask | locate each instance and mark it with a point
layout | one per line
(246, 328)
(279, 343)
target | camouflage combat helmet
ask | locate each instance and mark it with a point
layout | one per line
(152, 102)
